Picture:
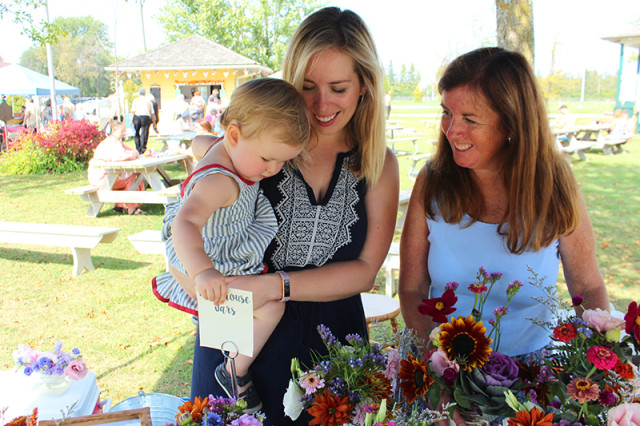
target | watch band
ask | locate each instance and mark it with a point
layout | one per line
(286, 289)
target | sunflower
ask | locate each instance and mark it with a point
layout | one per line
(464, 341)
(330, 410)
(414, 378)
(531, 418)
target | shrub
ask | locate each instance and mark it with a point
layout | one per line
(64, 146)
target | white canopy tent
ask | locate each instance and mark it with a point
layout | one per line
(20, 81)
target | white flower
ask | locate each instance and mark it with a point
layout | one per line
(291, 400)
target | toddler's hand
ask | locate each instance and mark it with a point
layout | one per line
(211, 285)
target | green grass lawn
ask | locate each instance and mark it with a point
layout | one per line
(133, 342)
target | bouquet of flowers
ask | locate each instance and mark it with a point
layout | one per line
(52, 363)
(31, 420)
(351, 385)
(588, 376)
(465, 364)
(219, 411)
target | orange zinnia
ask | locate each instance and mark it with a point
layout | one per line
(531, 418)
(329, 410)
(194, 408)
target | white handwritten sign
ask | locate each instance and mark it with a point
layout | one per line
(231, 321)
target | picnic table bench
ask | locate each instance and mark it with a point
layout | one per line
(415, 160)
(162, 189)
(412, 139)
(81, 239)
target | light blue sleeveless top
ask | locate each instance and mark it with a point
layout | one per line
(456, 253)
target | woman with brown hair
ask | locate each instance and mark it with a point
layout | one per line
(498, 195)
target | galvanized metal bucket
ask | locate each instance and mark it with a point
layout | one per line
(164, 407)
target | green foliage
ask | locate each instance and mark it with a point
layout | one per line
(560, 85)
(79, 55)
(65, 146)
(417, 94)
(29, 159)
(258, 29)
(406, 84)
(21, 11)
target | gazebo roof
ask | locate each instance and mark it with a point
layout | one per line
(629, 37)
(195, 52)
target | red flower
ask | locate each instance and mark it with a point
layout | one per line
(478, 288)
(565, 332)
(439, 307)
(602, 358)
(534, 417)
(632, 320)
(329, 410)
(623, 370)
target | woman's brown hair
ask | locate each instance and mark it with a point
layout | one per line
(542, 192)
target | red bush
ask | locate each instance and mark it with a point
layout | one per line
(70, 139)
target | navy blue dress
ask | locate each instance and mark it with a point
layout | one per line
(310, 234)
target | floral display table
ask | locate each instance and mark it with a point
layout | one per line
(19, 394)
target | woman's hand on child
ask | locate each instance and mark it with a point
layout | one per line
(212, 286)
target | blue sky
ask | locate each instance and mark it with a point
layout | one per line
(422, 32)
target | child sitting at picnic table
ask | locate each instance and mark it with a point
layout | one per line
(113, 149)
(222, 223)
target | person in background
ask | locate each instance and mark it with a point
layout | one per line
(387, 103)
(156, 113)
(197, 106)
(47, 113)
(352, 178)
(203, 127)
(113, 149)
(498, 195)
(142, 111)
(30, 115)
(68, 108)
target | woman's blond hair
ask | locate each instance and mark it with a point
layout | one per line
(269, 104)
(542, 193)
(332, 28)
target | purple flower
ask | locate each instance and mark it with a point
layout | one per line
(501, 370)
(246, 420)
(555, 404)
(328, 338)
(577, 300)
(607, 398)
(484, 273)
(495, 276)
(353, 339)
(28, 371)
(449, 376)
(500, 311)
(451, 285)
(214, 419)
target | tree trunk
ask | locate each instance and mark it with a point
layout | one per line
(514, 20)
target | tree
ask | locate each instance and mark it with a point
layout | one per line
(514, 19)
(79, 55)
(21, 12)
(258, 29)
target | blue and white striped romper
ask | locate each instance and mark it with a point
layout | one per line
(235, 237)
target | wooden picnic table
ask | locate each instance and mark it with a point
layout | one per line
(162, 189)
(183, 138)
